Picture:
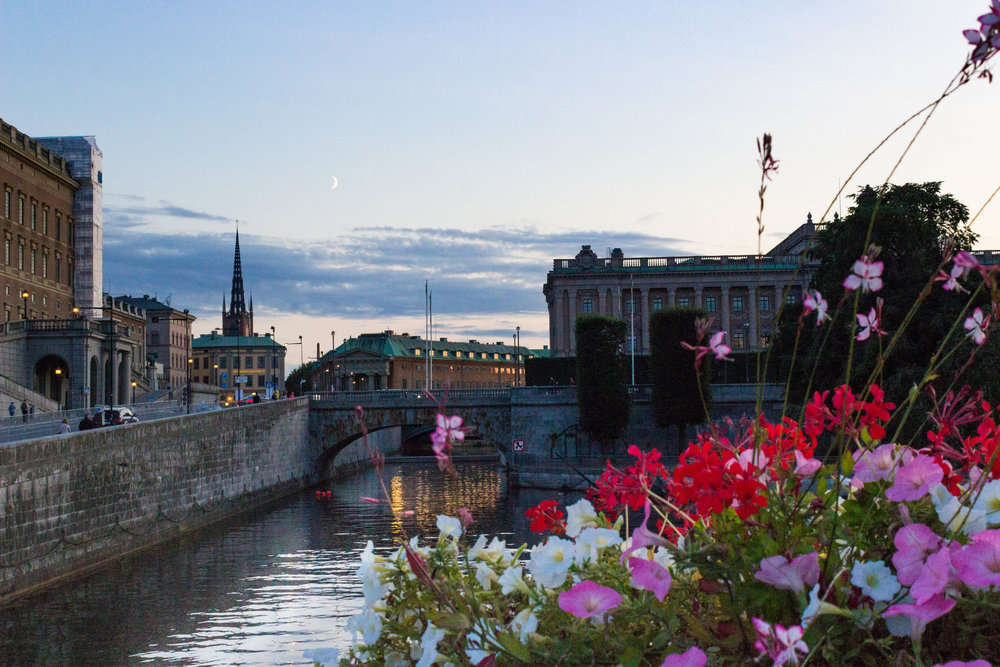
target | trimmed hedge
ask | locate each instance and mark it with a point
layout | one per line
(601, 389)
(676, 399)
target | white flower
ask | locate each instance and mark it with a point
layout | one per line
(580, 515)
(550, 562)
(989, 501)
(478, 646)
(817, 607)
(496, 552)
(664, 558)
(875, 580)
(512, 579)
(367, 561)
(524, 623)
(428, 643)
(324, 656)
(373, 588)
(368, 623)
(956, 515)
(594, 540)
(485, 575)
(449, 526)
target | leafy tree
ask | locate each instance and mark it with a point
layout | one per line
(600, 377)
(294, 382)
(913, 225)
(676, 398)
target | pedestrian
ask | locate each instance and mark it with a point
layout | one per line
(86, 424)
(64, 426)
(24, 411)
(11, 409)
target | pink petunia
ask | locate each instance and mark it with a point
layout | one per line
(866, 274)
(914, 543)
(978, 564)
(934, 576)
(921, 614)
(693, 657)
(959, 663)
(804, 467)
(650, 576)
(874, 465)
(915, 479)
(643, 537)
(589, 600)
(797, 575)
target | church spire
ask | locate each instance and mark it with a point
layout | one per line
(237, 305)
(237, 321)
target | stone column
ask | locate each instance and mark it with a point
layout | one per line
(753, 310)
(724, 313)
(698, 303)
(644, 312)
(572, 322)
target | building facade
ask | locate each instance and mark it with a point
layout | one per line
(239, 361)
(741, 292)
(167, 341)
(388, 360)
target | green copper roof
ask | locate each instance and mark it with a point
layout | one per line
(389, 344)
(212, 340)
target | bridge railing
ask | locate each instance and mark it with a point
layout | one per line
(393, 396)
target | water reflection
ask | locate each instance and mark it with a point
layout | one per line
(258, 590)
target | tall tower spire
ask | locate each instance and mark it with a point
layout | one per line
(237, 321)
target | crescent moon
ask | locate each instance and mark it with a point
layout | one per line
(334, 186)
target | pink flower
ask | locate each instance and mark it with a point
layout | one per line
(914, 543)
(718, 347)
(779, 643)
(950, 279)
(959, 663)
(977, 325)
(921, 614)
(805, 467)
(934, 577)
(449, 431)
(978, 564)
(915, 479)
(813, 300)
(589, 600)
(866, 274)
(797, 575)
(878, 464)
(869, 323)
(693, 657)
(650, 576)
(643, 537)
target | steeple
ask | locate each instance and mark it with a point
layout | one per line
(237, 321)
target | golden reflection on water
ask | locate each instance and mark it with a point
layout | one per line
(429, 492)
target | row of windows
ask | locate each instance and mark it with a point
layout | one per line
(225, 362)
(260, 382)
(684, 301)
(459, 354)
(34, 267)
(33, 214)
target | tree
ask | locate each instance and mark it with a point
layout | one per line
(299, 380)
(676, 398)
(913, 225)
(600, 377)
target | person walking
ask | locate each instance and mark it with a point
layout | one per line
(24, 411)
(11, 409)
(86, 424)
(64, 426)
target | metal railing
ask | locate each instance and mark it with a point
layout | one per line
(43, 424)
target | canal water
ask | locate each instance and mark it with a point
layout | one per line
(259, 589)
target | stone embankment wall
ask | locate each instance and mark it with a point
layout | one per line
(74, 501)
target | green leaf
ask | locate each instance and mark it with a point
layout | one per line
(847, 463)
(631, 656)
(513, 645)
(453, 622)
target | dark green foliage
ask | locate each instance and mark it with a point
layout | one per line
(676, 396)
(602, 393)
(294, 384)
(544, 371)
(912, 224)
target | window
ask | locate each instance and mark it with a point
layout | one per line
(765, 302)
(6, 203)
(236, 363)
(684, 301)
(45, 264)
(631, 344)
(588, 305)
(739, 340)
(260, 380)
(738, 304)
(260, 362)
(20, 209)
(20, 256)
(417, 352)
(657, 303)
(6, 252)
(249, 362)
(404, 383)
(34, 259)
(58, 225)
(58, 266)
(222, 362)
(711, 304)
(790, 299)
(34, 215)
(45, 221)
(765, 339)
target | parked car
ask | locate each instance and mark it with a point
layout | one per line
(114, 417)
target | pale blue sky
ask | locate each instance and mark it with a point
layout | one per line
(473, 142)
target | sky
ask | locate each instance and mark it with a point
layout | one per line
(472, 143)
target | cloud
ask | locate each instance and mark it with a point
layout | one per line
(141, 212)
(375, 273)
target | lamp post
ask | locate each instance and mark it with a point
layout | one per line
(133, 392)
(746, 351)
(25, 295)
(190, 364)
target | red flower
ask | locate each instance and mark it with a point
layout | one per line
(546, 516)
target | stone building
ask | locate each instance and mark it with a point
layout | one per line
(388, 360)
(167, 339)
(742, 292)
(238, 361)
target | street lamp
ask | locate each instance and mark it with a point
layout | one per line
(133, 392)
(25, 295)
